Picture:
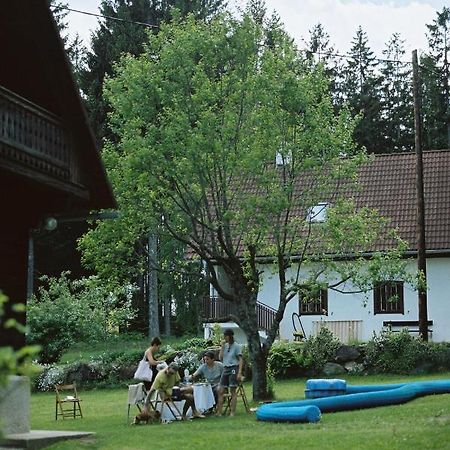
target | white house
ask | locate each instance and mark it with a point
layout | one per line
(388, 184)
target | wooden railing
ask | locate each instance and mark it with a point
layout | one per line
(33, 138)
(217, 307)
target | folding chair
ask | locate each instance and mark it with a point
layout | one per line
(168, 409)
(240, 393)
(67, 401)
(136, 396)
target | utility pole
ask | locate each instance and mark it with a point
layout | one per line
(421, 246)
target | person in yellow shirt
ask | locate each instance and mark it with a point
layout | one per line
(166, 384)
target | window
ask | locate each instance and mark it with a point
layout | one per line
(317, 213)
(388, 298)
(314, 304)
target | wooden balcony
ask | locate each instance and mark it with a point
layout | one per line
(33, 140)
(217, 307)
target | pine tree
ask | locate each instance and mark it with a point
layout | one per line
(114, 38)
(360, 89)
(435, 71)
(74, 47)
(397, 102)
(320, 51)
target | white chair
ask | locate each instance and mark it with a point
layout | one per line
(136, 396)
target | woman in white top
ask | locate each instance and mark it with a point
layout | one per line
(152, 362)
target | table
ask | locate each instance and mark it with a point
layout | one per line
(203, 396)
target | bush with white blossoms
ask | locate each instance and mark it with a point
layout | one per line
(187, 360)
(50, 376)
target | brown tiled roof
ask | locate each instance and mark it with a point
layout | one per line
(388, 184)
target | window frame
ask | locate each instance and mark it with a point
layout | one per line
(381, 296)
(320, 310)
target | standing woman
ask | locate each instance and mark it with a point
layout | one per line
(152, 362)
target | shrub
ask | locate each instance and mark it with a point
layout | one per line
(284, 359)
(318, 350)
(187, 360)
(396, 352)
(193, 343)
(65, 312)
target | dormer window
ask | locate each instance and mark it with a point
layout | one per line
(282, 159)
(318, 213)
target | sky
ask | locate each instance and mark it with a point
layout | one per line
(340, 19)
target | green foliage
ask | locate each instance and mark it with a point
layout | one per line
(65, 312)
(400, 352)
(318, 350)
(435, 82)
(14, 362)
(208, 107)
(284, 359)
(288, 359)
(193, 343)
(217, 335)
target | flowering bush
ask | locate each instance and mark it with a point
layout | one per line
(50, 376)
(188, 360)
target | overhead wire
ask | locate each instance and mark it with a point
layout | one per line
(148, 25)
(66, 8)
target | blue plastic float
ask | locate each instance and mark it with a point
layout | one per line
(354, 397)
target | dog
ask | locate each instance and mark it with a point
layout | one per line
(146, 417)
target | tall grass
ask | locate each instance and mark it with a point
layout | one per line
(422, 423)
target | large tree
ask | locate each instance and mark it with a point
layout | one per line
(201, 118)
(359, 88)
(124, 30)
(396, 98)
(435, 74)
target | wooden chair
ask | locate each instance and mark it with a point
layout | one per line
(240, 393)
(167, 407)
(67, 401)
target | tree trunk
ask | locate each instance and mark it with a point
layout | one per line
(257, 353)
(167, 314)
(259, 374)
(152, 294)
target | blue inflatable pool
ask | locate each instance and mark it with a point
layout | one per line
(356, 397)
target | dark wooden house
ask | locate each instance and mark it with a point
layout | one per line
(49, 163)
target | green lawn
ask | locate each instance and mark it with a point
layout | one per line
(423, 423)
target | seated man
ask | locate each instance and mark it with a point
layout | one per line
(165, 383)
(211, 370)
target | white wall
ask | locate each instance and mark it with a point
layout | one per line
(360, 306)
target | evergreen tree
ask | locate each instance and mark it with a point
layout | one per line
(360, 89)
(320, 51)
(116, 37)
(435, 73)
(397, 101)
(74, 47)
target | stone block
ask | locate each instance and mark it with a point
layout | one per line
(15, 405)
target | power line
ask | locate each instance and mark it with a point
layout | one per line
(147, 25)
(349, 56)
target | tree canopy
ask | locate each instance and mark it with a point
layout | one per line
(226, 139)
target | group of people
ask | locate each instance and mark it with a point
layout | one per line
(221, 375)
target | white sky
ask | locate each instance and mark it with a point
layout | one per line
(340, 18)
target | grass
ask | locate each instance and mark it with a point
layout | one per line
(122, 342)
(422, 423)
